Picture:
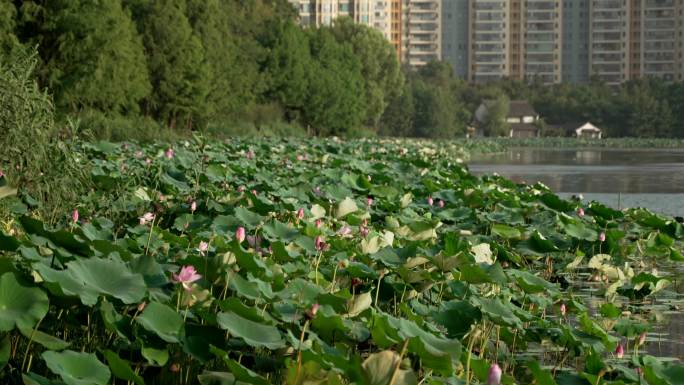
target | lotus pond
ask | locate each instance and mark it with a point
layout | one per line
(329, 262)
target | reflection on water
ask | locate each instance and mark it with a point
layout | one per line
(601, 174)
(620, 178)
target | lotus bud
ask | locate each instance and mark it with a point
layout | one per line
(580, 212)
(74, 216)
(146, 218)
(494, 377)
(563, 309)
(193, 206)
(639, 371)
(319, 223)
(300, 214)
(430, 201)
(300, 157)
(319, 243)
(203, 247)
(2, 174)
(440, 203)
(138, 154)
(369, 201)
(240, 234)
(141, 306)
(602, 237)
(169, 153)
(249, 154)
(174, 368)
(364, 231)
(241, 189)
(642, 338)
(148, 161)
(619, 351)
(311, 313)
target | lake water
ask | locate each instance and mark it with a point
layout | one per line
(618, 177)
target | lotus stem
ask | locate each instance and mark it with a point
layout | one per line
(299, 351)
(28, 346)
(398, 364)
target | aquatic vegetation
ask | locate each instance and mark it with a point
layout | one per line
(369, 262)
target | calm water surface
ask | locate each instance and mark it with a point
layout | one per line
(620, 178)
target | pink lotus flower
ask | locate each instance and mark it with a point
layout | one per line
(430, 201)
(203, 247)
(642, 338)
(174, 368)
(193, 206)
(138, 154)
(169, 153)
(2, 174)
(249, 155)
(619, 351)
(186, 276)
(319, 223)
(300, 214)
(300, 157)
(240, 234)
(254, 192)
(369, 201)
(148, 161)
(563, 309)
(241, 189)
(74, 216)
(311, 313)
(580, 212)
(440, 203)
(344, 231)
(146, 218)
(494, 377)
(602, 237)
(319, 243)
(363, 231)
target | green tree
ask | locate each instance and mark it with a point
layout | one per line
(178, 69)
(92, 55)
(379, 65)
(497, 111)
(286, 67)
(8, 40)
(335, 102)
(397, 119)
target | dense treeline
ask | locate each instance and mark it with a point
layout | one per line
(127, 67)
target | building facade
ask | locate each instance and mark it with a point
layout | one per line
(421, 35)
(575, 45)
(535, 40)
(455, 35)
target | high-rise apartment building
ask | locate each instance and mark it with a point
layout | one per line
(539, 40)
(488, 40)
(421, 31)
(323, 12)
(455, 45)
(656, 39)
(575, 46)
(609, 40)
(520, 39)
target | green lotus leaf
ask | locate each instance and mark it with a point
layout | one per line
(505, 231)
(219, 378)
(50, 342)
(254, 333)
(5, 351)
(379, 369)
(347, 206)
(249, 219)
(162, 320)
(20, 305)
(277, 230)
(121, 368)
(88, 278)
(77, 368)
(240, 372)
